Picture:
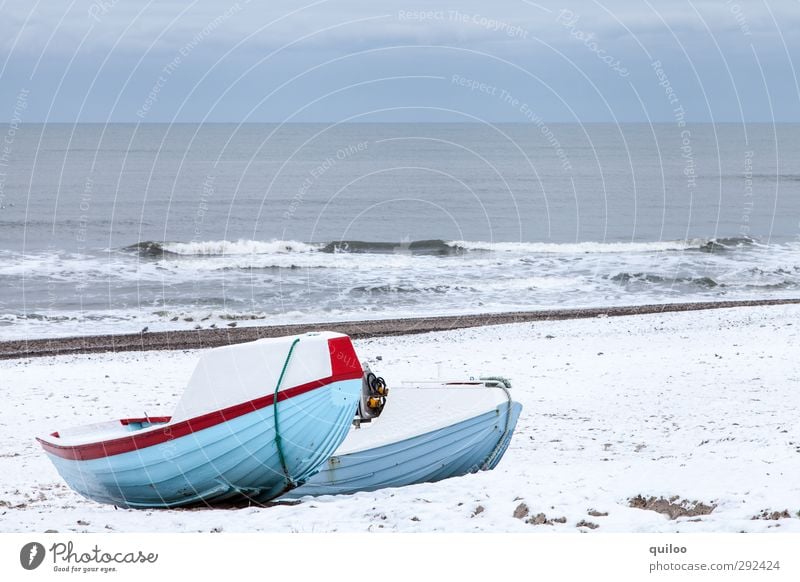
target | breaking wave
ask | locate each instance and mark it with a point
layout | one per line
(431, 247)
(417, 247)
(717, 245)
(219, 248)
(394, 289)
(625, 278)
(697, 244)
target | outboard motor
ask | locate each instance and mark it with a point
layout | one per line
(373, 397)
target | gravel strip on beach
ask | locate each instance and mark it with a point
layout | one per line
(209, 338)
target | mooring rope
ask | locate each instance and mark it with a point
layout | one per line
(290, 484)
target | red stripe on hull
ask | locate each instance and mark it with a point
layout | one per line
(118, 446)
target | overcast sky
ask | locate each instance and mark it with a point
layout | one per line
(398, 60)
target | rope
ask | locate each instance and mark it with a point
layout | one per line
(289, 481)
(504, 381)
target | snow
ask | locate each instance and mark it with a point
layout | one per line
(700, 405)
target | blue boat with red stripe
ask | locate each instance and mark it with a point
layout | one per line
(255, 421)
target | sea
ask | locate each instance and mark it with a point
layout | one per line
(116, 228)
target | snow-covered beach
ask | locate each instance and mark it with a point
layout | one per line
(690, 407)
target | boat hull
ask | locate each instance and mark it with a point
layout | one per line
(232, 461)
(474, 444)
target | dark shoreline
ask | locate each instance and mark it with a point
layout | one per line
(208, 338)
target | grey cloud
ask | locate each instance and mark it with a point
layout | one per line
(514, 30)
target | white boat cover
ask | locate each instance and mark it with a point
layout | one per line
(237, 374)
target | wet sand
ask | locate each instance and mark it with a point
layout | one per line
(209, 338)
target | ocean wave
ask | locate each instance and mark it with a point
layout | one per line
(782, 270)
(395, 289)
(415, 247)
(698, 244)
(219, 248)
(785, 284)
(626, 278)
(717, 245)
(430, 247)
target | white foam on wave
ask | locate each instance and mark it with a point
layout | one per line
(286, 247)
(239, 247)
(580, 247)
